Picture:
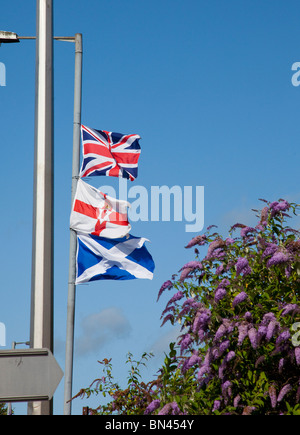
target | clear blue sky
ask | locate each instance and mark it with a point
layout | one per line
(208, 87)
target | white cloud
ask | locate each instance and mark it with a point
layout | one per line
(99, 328)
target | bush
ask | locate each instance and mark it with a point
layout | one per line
(239, 351)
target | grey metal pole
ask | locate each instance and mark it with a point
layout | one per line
(41, 328)
(73, 238)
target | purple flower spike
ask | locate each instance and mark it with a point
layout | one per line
(185, 342)
(166, 285)
(286, 389)
(273, 325)
(289, 308)
(192, 265)
(241, 297)
(245, 231)
(217, 405)
(152, 407)
(198, 240)
(284, 336)
(252, 334)
(243, 332)
(272, 395)
(220, 294)
(242, 266)
(278, 258)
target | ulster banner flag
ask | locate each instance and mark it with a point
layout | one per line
(96, 213)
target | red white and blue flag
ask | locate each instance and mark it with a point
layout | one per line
(111, 154)
(96, 213)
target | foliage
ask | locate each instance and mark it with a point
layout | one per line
(131, 401)
(3, 409)
(239, 351)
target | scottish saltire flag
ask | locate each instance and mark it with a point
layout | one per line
(94, 212)
(99, 258)
(111, 154)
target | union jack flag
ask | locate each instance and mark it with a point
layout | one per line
(111, 154)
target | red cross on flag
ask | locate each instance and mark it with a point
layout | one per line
(96, 213)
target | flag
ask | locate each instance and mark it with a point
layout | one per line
(111, 154)
(99, 258)
(94, 212)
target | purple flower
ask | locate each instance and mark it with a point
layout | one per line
(201, 320)
(226, 388)
(286, 389)
(224, 283)
(170, 407)
(260, 360)
(297, 355)
(248, 410)
(272, 395)
(166, 285)
(198, 240)
(248, 316)
(262, 332)
(220, 332)
(252, 334)
(281, 364)
(273, 325)
(242, 266)
(168, 317)
(218, 243)
(289, 308)
(278, 258)
(179, 295)
(264, 215)
(220, 294)
(243, 332)
(217, 405)
(270, 250)
(277, 207)
(185, 273)
(236, 401)
(229, 241)
(152, 407)
(185, 342)
(223, 347)
(192, 265)
(219, 269)
(203, 370)
(193, 360)
(245, 231)
(241, 297)
(230, 356)
(284, 336)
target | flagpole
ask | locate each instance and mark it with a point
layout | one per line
(73, 237)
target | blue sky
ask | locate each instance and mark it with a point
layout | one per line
(207, 85)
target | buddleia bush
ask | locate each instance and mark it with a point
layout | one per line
(238, 306)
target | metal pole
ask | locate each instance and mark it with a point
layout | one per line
(41, 331)
(73, 238)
